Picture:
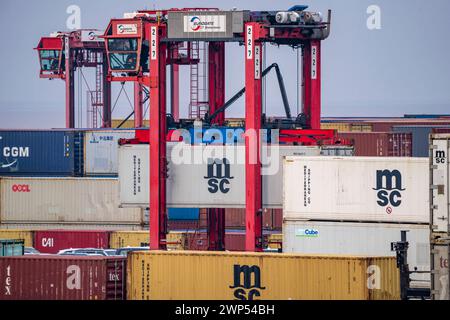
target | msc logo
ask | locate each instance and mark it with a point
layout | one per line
(245, 289)
(218, 175)
(389, 185)
(439, 156)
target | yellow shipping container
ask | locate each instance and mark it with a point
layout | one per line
(26, 235)
(275, 241)
(361, 128)
(194, 275)
(176, 240)
(120, 239)
(339, 126)
(128, 124)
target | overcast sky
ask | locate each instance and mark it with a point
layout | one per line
(401, 68)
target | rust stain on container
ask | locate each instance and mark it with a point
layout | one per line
(63, 278)
(258, 276)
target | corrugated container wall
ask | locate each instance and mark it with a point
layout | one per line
(160, 275)
(101, 149)
(41, 153)
(63, 278)
(25, 235)
(372, 239)
(361, 189)
(379, 144)
(272, 218)
(51, 241)
(64, 201)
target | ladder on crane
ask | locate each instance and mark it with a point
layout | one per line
(198, 105)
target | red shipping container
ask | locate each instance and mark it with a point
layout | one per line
(51, 241)
(440, 130)
(175, 225)
(63, 278)
(380, 144)
(272, 218)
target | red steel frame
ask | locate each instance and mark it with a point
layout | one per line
(158, 169)
(216, 78)
(254, 34)
(69, 42)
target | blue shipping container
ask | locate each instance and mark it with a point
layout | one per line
(41, 153)
(184, 213)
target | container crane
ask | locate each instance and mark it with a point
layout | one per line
(140, 46)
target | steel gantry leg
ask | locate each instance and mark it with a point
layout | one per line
(70, 85)
(158, 162)
(138, 105)
(107, 116)
(312, 83)
(253, 110)
(216, 78)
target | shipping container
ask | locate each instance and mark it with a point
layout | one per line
(72, 226)
(386, 126)
(41, 153)
(46, 277)
(440, 130)
(159, 275)
(129, 124)
(337, 150)
(51, 241)
(275, 241)
(366, 239)
(64, 201)
(338, 126)
(101, 149)
(25, 235)
(439, 183)
(272, 218)
(11, 247)
(182, 225)
(440, 285)
(356, 189)
(199, 166)
(183, 213)
(379, 144)
(120, 239)
(420, 138)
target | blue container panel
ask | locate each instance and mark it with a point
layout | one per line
(184, 213)
(40, 153)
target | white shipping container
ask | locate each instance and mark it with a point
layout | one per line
(101, 151)
(440, 177)
(356, 189)
(73, 226)
(354, 238)
(64, 200)
(198, 183)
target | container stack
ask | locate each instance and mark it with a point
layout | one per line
(388, 137)
(439, 215)
(356, 206)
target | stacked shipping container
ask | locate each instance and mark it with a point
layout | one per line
(368, 202)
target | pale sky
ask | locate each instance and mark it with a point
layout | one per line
(401, 68)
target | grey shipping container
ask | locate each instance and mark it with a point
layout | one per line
(348, 238)
(41, 153)
(420, 136)
(101, 149)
